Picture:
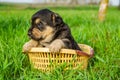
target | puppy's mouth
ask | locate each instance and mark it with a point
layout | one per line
(34, 38)
(35, 34)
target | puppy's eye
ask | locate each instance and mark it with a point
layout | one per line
(40, 26)
(40, 23)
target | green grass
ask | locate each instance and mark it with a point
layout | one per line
(104, 37)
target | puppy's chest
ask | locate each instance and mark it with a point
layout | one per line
(47, 41)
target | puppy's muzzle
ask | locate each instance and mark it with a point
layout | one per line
(32, 37)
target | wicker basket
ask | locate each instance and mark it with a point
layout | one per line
(43, 59)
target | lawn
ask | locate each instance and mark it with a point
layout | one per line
(103, 37)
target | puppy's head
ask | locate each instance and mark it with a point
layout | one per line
(44, 23)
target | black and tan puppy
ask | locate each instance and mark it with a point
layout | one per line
(48, 30)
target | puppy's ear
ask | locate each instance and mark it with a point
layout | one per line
(57, 20)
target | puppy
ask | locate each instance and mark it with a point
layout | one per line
(49, 30)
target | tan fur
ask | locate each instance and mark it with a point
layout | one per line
(28, 45)
(47, 32)
(37, 20)
(56, 45)
(48, 36)
(53, 17)
(37, 33)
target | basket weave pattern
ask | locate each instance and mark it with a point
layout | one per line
(43, 59)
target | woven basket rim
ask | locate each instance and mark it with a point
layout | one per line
(68, 51)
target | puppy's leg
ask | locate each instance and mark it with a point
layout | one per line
(57, 44)
(28, 45)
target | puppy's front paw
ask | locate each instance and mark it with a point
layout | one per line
(54, 48)
(56, 45)
(26, 47)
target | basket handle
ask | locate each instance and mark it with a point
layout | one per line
(81, 53)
